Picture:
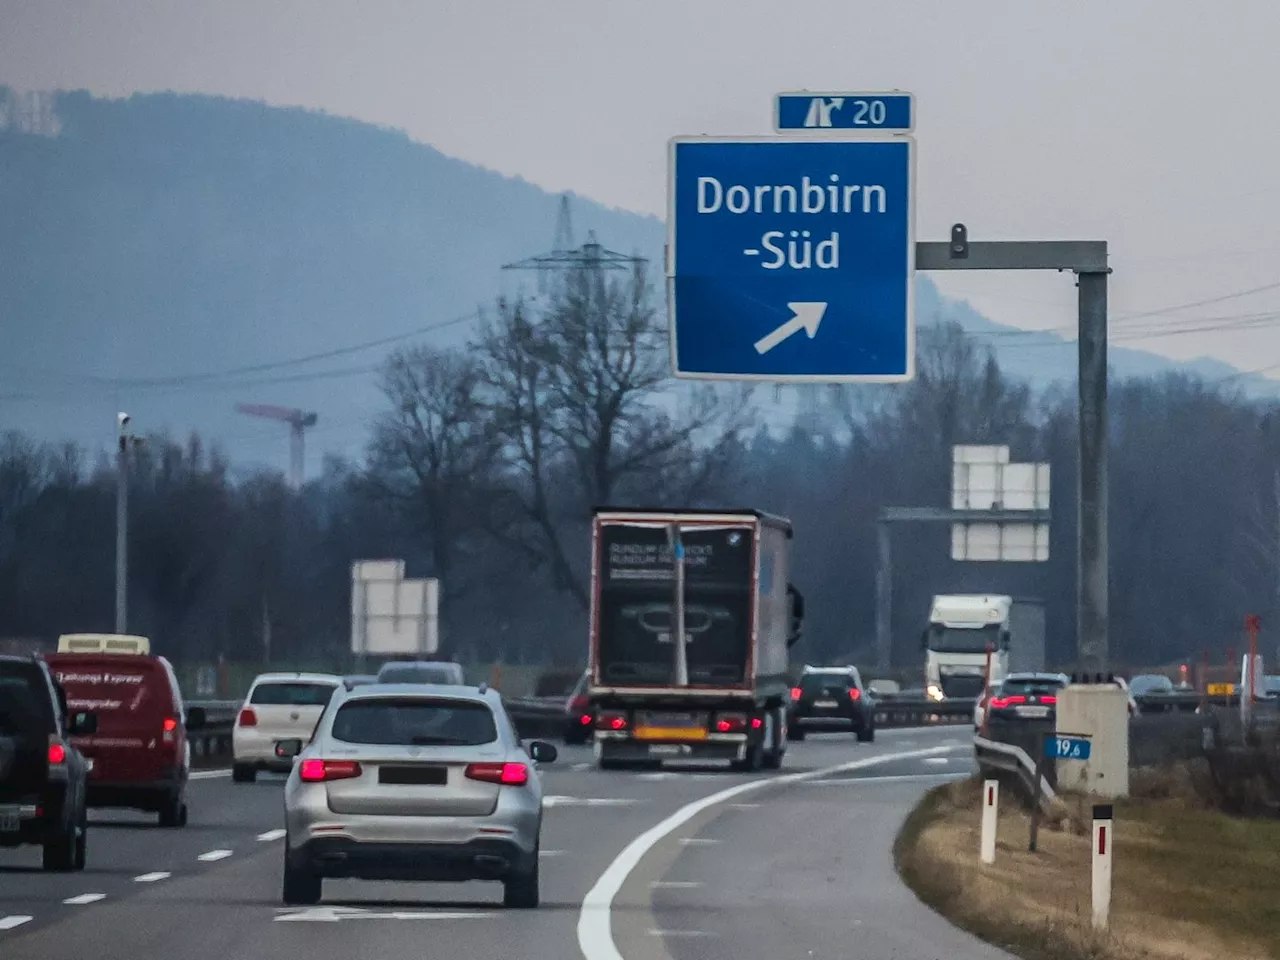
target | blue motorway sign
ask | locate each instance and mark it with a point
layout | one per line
(792, 259)
(850, 112)
(1069, 748)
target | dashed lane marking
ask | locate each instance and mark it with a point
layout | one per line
(744, 806)
(558, 801)
(697, 841)
(213, 855)
(675, 884)
(8, 923)
(579, 767)
(270, 835)
(152, 877)
(551, 853)
(208, 774)
(85, 898)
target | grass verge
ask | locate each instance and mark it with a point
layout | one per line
(1188, 883)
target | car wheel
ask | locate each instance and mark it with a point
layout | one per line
(520, 891)
(60, 853)
(243, 773)
(300, 888)
(795, 733)
(174, 812)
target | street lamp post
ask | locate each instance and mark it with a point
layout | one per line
(122, 523)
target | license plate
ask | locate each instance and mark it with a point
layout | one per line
(1032, 711)
(665, 750)
(9, 821)
(825, 703)
(671, 720)
(670, 733)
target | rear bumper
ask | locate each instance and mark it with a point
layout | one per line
(472, 860)
(40, 818)
(811, 720)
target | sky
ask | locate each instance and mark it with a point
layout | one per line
(1145, 124)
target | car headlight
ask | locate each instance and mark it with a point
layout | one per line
(934, 691)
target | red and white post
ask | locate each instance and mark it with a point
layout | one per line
(1103, 843)
(990, 801)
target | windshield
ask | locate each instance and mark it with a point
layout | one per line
(1140, 686)
(415, 722)
(961, 639)
(292, 694)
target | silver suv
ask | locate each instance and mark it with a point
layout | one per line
(414, 782)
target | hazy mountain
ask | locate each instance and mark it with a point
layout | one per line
(174, 255)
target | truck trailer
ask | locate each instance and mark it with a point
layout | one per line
(692, 620)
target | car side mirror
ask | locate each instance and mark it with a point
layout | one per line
(196, 718)
(286, 749)
(84, 724)
(543, 752)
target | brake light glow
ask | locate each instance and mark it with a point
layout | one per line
(999, 703)
(585, 719)
(57, 754)
(731, 723)
(756, 723)
(1048, 699)
(612, 721)
(509, 774)
(322, 771)
(170, 724)
(247, 718)
(795, 693)
(854, 693)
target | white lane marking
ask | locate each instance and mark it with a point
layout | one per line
(208, 774)
(551, 853)
(213, 855)
(336, 914)
(675, 884)
(270, 835)
(557, 801)
(580, 767)
(595, 923)
(8, 923)
(152, 877)
(745, 806)
(937, 760)
(655, 776)
(901, 778)
(85, 898)
(697, 841)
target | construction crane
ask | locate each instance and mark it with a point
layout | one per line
(298, 421)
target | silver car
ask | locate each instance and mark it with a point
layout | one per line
(414, 782)
(422, 671)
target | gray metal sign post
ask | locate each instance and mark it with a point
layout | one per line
(1087, 259)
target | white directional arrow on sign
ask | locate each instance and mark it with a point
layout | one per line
(806, 317)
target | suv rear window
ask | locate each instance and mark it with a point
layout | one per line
(292, 694)
(819, 683)
(414, 722)
(24, 699)
(1031, 687)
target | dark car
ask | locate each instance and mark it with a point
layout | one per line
(43, 778)
(422, 671)
(578, 716)
(831, 698)
(1026, 696)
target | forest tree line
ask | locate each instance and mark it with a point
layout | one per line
(486, 462)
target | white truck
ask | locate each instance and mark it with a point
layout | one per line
(962, 626)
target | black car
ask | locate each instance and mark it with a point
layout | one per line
(42, 777)
(831, 698)
(1026, 696)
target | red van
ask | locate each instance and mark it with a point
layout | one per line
(139, 757)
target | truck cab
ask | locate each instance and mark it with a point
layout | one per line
(961, 629)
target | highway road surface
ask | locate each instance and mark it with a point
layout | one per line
(671, 865)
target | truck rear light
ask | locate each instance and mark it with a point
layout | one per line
(585, 719)
(322, 771)
(509, 774)
(57, 754)
(756, 723)
(731, 723)
(795, 693)
(611, 721)
(854, 693)
(247, 718)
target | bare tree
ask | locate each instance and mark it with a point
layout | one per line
(583, 399)
(434, 453)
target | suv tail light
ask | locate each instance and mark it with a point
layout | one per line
(999, 703)
(795, 693)
(854, 693)
(170, 727)
(247, 718)
(510, 774)
(585, 719)
(57, 754)
(731, 723)
(322, 771)
(1048, 699)
(611, 721)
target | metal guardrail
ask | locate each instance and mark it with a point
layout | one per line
(895, 710)
(995, 757)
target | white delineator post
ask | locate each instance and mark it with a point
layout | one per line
(990, 799)
(1103, 844)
